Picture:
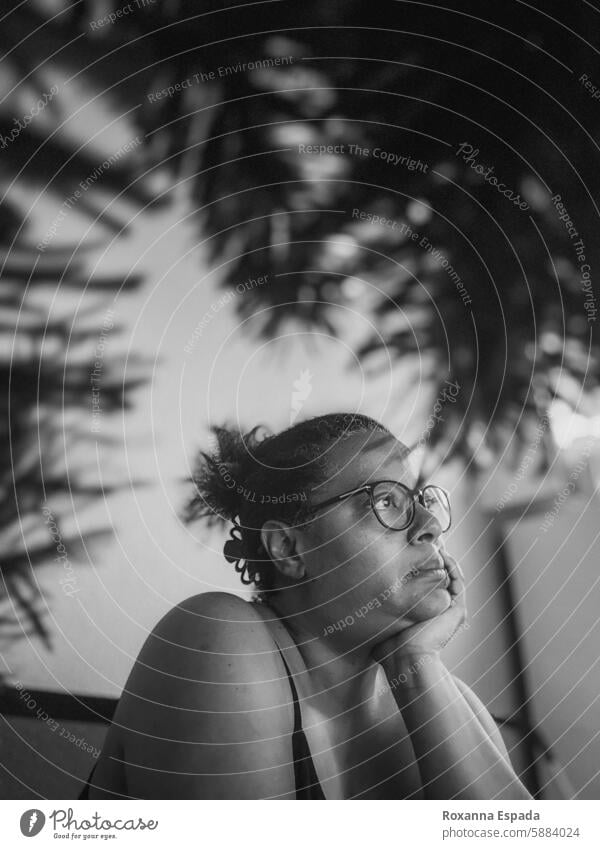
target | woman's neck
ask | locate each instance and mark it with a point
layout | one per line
(337, 668)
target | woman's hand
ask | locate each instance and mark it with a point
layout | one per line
(431, 636)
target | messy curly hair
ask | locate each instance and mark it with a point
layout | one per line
(249, 478)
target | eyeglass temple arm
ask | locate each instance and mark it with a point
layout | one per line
(364, 488)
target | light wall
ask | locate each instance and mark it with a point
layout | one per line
(149, 561)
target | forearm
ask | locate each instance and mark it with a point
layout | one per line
(456, 756)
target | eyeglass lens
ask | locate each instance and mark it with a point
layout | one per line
(394, 505)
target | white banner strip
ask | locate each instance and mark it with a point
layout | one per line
(351, 825)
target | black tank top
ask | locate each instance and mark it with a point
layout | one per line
(305, 776)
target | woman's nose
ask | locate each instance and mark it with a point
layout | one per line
(424, 527)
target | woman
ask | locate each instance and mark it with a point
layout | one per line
(330, 684)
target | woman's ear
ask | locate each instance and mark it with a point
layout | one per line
(281, 544)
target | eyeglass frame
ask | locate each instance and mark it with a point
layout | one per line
(415, 494)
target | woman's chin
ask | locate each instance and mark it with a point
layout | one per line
(435, 602)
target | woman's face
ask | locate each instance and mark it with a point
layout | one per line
(364, 573)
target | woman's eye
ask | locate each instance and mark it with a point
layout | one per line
(384, 501)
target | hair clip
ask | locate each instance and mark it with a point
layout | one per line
(235, 552)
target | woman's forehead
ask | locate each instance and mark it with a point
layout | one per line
(364, 458)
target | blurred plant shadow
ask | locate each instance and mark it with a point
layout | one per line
(388, 215)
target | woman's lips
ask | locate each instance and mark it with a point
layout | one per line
(433, 568)
(434, 563)
(437, 573)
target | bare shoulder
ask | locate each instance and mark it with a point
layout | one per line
(222, 619)
(213, 637)
(214, 605)
(206, 709)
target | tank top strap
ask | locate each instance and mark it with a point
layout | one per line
(84, 793)
(288, 649)
(305, 776)
(313, 730)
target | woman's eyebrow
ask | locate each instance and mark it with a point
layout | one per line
(405, 479)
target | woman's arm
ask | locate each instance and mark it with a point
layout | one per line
(457, 757)
(206, 710)
(484, 716)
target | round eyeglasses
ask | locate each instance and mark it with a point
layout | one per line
(394, 503)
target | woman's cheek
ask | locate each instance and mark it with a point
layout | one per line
(368, 608)
(376, 593)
